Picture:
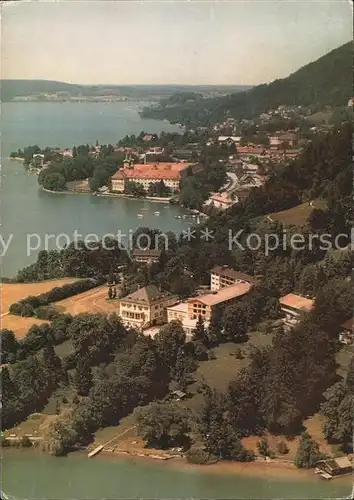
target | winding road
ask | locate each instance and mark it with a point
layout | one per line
(233, 182)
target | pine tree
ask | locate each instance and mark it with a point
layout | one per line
(263, 447)
(214, 333)
(308, 452)
(200, 334)
(183, 367)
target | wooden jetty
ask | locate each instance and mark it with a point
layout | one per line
(96, 451)
(99, 448)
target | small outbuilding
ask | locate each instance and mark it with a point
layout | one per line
(178, 395)
(334, 467)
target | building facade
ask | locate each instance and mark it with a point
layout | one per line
(224, 276)
(146, 307)
(146, 256)
(203, 305)
(294, 307)
(150, 173)
(179, 312)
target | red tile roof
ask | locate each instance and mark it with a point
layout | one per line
(152, 171)
(296, 302)
(223, 295)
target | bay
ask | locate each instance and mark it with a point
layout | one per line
(26, 210)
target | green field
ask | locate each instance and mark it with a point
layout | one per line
(64, 349)
(219, 372)
(297, 216)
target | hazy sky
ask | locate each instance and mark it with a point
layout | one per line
(204, 42)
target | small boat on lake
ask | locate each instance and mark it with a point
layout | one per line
(157, 213)
(140, 216)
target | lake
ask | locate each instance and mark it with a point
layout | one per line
(29, 474)
(27, 210)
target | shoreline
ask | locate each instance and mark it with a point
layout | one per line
(258, 469)
(111, 195)
(152, 199)
(15, 158)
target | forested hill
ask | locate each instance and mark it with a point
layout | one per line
(11, 89)
(14, 88)
(327, 81)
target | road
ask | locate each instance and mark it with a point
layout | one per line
(233, 182)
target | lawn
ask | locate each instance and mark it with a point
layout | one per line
(297, 216)
(30, 426)
(64, 349)
(320, 117)
(343, 358)
(61, 398)
(219, 372)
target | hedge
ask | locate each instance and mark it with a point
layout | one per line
(33, 305)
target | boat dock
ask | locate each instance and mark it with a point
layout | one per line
(99, 448)
(96, 451)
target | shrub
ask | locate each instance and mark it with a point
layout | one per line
(46, 312)
(16, 309)
(5, 442)
(282, 448)
(25, 442)
(27, 310)
(33, 301)
(200, 457)
(238, 353)
(200, 351)
(34, 416)
(263, 447)
(211, 355)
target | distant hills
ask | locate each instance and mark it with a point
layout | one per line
(13, 89)
(327, 81)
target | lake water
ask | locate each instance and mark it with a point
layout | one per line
(29, 474)
(26, 210)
